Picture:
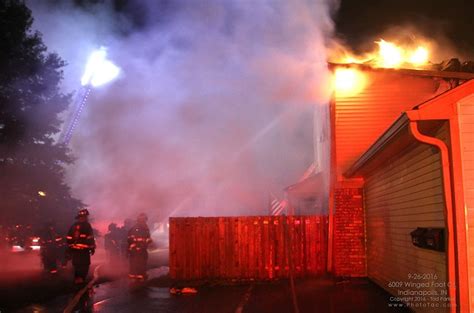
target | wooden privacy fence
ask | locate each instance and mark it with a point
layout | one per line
(256, 247)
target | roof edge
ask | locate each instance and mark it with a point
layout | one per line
(299, 183)
(407, 71)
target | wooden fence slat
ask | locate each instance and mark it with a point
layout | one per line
(172, 250)
(247, 247)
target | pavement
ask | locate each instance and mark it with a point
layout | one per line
(117, 294)
(313, 295)
(24, 287)
(22, 281)
(324, 294)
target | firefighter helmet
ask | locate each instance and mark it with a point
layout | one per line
(142, 218)
(112, 226)
(82, 213)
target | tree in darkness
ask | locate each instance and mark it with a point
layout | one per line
(32, 186)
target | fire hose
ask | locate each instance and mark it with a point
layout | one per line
(72, 304)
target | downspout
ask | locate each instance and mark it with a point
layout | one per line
(451, 264)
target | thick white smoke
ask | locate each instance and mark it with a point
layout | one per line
(214, 108)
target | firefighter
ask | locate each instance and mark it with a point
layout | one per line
(81, 245)
(17, 236)
(138, 241)
(112, 243)
(63, 250)
(50, 241)
(127, 225)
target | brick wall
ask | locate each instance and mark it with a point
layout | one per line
(349, 235)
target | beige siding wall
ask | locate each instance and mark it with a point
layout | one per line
(404, 194)
(360, 119)
(466, 123)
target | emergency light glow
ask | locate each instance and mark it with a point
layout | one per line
(17, 249)
(99, 70)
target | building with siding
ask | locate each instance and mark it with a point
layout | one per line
(398, 165)
(356, 121)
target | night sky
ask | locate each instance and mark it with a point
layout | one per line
(358, 22)
(361, 22)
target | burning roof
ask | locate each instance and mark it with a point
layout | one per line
(350, 79)
(413, 54)
(412, 58)
(367, 98)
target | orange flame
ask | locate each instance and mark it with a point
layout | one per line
(349, 82)
(420, 56)
(391, 55)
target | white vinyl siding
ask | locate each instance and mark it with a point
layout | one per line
(466, 123)
(403, 194)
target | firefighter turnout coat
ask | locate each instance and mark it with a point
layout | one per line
(138, 241)
(81, 244)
